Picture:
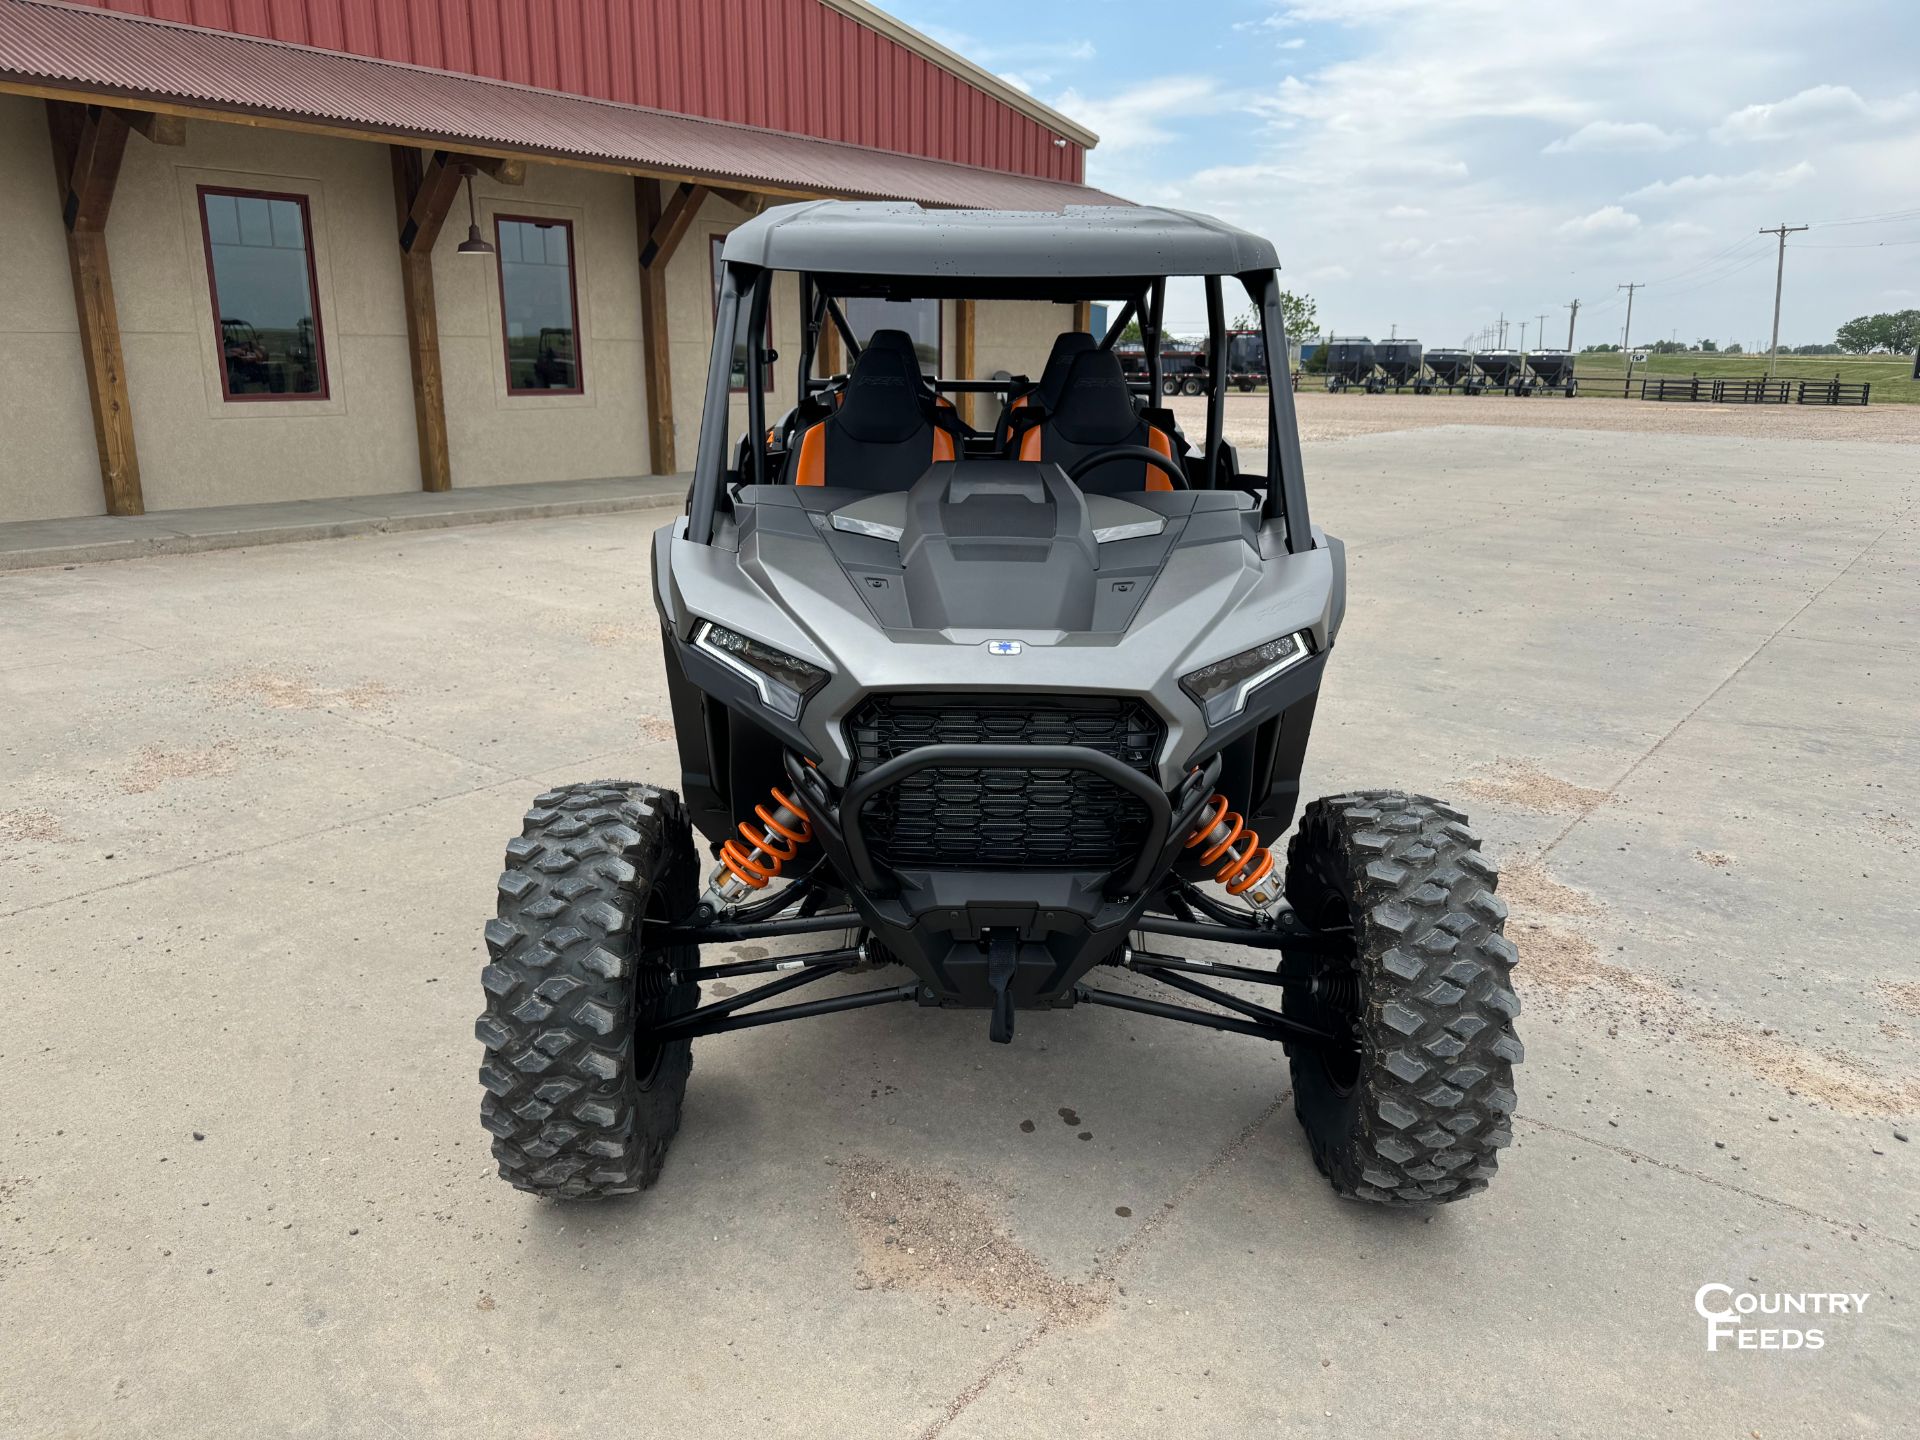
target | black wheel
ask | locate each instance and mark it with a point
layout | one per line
(1246, 387)
(1170, 385)
(580, 1104)
(1193, 385)
(1416, 1110)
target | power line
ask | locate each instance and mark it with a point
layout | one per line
(1856, 244)
(1746, 242)
(1743, 266)
(1626, 335)
(1886, 218)
(1779, 280)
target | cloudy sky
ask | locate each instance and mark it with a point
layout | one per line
(1429, 164)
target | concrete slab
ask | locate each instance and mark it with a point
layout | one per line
(33, 544)
(1622, 653)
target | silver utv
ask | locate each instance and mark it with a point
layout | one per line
(995, 707)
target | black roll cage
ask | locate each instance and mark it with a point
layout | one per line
(1285, 496)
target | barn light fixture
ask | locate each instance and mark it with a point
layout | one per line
(473, 244)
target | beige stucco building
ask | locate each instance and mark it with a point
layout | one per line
(157, 241)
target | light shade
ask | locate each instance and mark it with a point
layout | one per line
(473, 244)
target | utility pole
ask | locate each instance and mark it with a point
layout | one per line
(1573, 314)
(1540, 334)
(1393, 333)
(1626, 335)
(1523, 334)
(1779, 278)
(1503, 329)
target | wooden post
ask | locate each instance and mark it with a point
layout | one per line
(88, 142)
(963, 353)
(827, 357)
(423, 193)
(660, 229)
(1083, 315)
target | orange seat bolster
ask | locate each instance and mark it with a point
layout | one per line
(810, 468)
(942, 444)
(1158, 479)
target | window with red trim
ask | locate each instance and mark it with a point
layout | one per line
(738, 380)
(266, 307)
(539, 305)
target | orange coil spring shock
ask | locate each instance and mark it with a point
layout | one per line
(1234, 853)
(748, 867)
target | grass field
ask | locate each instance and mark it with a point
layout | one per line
(1890, 375)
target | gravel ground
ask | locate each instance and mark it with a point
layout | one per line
(1336, 417)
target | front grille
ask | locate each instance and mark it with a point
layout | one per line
(1002, 818)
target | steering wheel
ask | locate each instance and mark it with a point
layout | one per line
(1175, 475)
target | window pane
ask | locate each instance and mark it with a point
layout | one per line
(262, 269)
(738, 379)
(919, 318)
(537, 304)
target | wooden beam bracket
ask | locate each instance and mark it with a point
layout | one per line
(662, 237)
(158, 128)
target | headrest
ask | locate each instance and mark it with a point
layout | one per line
(1096, 407)
(897, 342)
(1066, 349)
(882, 401)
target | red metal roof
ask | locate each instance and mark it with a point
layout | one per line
(799, 66)
(90, 52)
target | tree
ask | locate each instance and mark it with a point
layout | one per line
(1897, 331)
(1733, 348)
(1863, 333)
(1708, 347)
(1297, 313)
(1131, 335)
(1666, 347)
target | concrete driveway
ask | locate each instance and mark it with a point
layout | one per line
(252, 805)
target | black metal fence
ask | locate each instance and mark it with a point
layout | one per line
(1730, 390)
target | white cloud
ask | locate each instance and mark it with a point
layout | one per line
(1616, 135)
(1695, 186)
(1815, 108)
(1132, 118)
(1608, 220)
(1404, 120)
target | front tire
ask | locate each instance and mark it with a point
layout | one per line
(1418, 1109)
(580, 1105)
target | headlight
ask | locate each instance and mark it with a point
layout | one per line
(783, 682)
(1221, 689)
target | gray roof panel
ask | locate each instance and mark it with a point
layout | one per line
(1078, 242)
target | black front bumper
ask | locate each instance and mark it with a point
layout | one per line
(944, 924)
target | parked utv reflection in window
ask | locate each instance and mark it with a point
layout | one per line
(539, 308)
(266, 309)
